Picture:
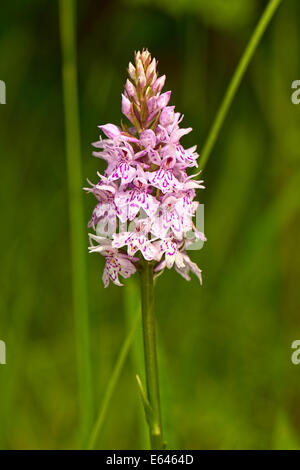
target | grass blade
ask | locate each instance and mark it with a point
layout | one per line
(78, 239)
(236, 80)
(112, 383)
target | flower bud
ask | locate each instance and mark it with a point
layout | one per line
(159, 84)
(152, 79)
(152, 104)
(130, 89)
(141, 77)
(137, 56)
(145, 57)
(110, 130)
(131, 71)
(126, 107)
(151, 69)
(163, 99)
(148, 138)
(167, 116)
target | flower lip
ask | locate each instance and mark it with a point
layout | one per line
(168, 162)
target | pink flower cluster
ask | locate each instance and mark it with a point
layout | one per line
(145, 198)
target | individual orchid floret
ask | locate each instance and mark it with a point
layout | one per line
(146, 204)
(171, 249)
(130, 202)
(117, 263)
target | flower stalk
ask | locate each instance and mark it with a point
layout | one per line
(152, 408)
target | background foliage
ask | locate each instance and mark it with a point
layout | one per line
(227, 379)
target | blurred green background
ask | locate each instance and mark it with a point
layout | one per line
(226, 374)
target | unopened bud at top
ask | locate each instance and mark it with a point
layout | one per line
(142, 99)
(131, 71)
(126, 107)
(151, 72)
(140, 72)
(130, 89)
(159, 84)
(146, 57)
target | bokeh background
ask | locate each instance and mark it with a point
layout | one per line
(224, 348)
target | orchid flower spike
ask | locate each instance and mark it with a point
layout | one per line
(145, 199)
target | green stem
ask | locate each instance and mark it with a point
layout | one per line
(236, 80)
(113, 382)
(132, 304)
(151, 369)
(78, 242)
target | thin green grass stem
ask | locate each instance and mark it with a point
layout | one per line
(113, 382)
(236, 80)
(77, 224)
